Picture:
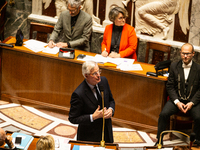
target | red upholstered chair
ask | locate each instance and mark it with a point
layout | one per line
(42, 31)
(2, 19)
(159, 49)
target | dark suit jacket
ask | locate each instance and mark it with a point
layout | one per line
(84, 103)
(193, 81)
(79, 38)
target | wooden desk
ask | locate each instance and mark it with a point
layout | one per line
(41, 79)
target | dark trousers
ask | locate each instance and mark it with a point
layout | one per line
(169, 109)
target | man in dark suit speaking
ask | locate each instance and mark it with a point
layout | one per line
(86, 109)
(183, 87)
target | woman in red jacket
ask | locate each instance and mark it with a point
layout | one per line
(119, 38)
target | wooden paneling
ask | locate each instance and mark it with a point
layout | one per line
(102, 10)
(94, 7)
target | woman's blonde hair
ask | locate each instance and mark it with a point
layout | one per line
(45, 143)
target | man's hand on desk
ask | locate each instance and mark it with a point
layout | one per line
(51, 44)
(62, 45)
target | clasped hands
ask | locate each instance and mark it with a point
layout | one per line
(184, 107)
(99, 113)
(51, 44)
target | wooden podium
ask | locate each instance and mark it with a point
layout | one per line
(95, 144)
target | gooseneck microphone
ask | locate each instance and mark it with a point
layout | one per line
(159, 145)
(101, 88)
(192, 139)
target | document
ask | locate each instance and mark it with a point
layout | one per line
(100, 59)
(130, 67)
(35, 45)
(86, 147)
(124, 64)
(62, 143)
(49, 50)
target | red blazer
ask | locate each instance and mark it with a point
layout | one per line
(128, 43)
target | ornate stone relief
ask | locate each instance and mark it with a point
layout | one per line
(156, 16)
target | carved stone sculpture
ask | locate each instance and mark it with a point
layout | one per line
(156, 16)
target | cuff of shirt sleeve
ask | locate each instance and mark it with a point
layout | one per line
(176, 101)
(91, 119)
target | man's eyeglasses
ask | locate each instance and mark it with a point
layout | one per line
(72, 11)
(187, 54)
(96, 73)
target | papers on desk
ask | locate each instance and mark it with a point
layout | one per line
(130, 67)
(48, 50)
(38, 46)
(35, 45)
(85, 147)
(61, 143)
(122, 63)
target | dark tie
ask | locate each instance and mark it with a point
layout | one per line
(98, 97)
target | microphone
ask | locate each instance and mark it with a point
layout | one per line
(101, 88)
(192, 138)
(159, 145)
(8, 45)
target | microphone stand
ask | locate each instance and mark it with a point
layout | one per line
(102, 141)
(159, 145)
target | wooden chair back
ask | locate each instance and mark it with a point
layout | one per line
(138, 40)
(42, 31)
(2, 19)
(159, 49)
(182, 119)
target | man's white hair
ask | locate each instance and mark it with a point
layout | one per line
(87, 67)
(75, 3)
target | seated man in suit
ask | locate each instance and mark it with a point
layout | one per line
(183, 87)
(76, 26)
(86, 106)
(6, 139)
